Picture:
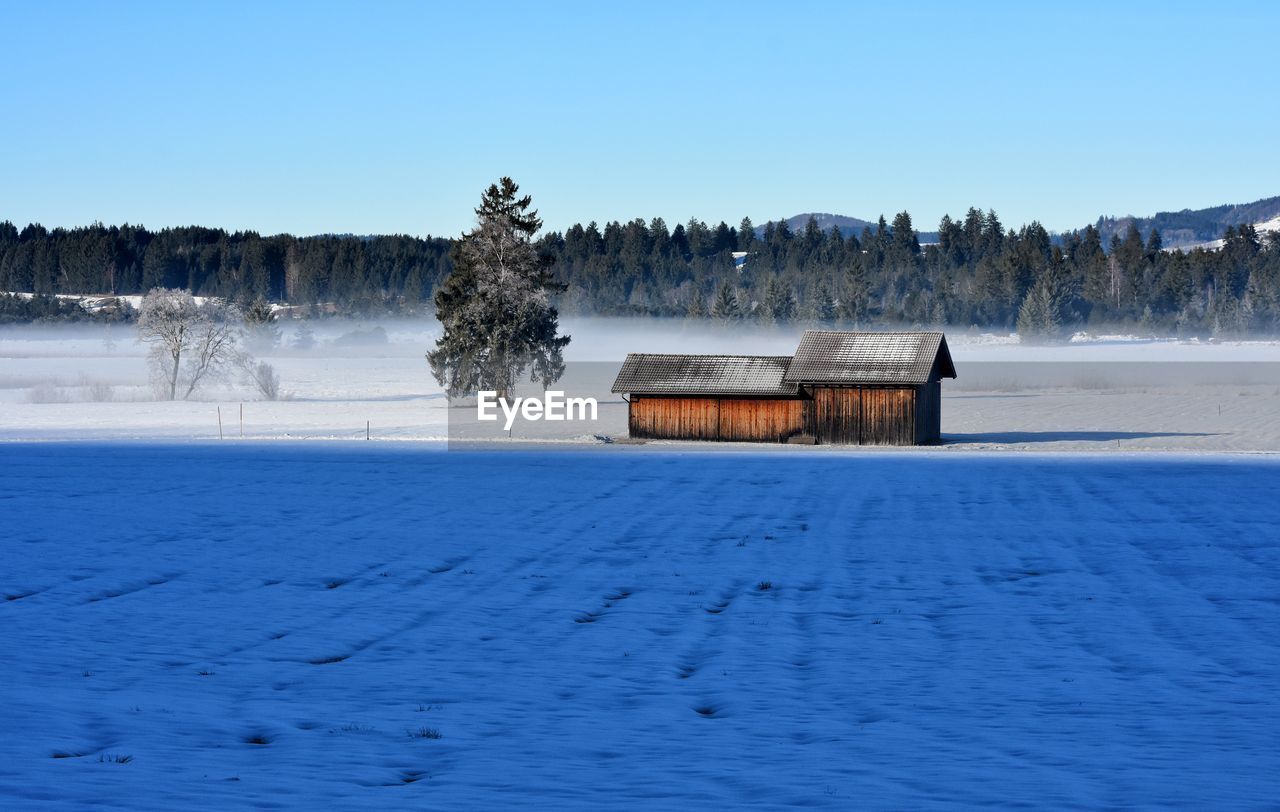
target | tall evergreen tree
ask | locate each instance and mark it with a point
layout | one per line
(726, 307)
(1045, 313)
(823, 306)
(495, 307)
(779, 304)
(746, 235)
(697, 308)
(905, 242)
(1154, 244)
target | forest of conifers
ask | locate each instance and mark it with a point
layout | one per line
(978, 273)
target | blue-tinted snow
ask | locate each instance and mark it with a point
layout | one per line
(268, 625)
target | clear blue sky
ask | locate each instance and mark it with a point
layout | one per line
(387, 117)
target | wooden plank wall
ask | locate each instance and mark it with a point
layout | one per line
(766, 420)
(675, 418)
(929, 413)
(888, 416)
(836, 416)
(865, 415)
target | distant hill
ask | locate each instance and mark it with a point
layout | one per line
(1178, 229)
(1187, 228)
(849, 226)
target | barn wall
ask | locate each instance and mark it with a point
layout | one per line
(674, 418)
(761, 420)
(836, 416)
(857, 415)
(888, 416)
(929, 413)
(768, 420)
(864, 415)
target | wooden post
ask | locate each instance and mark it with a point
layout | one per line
(366, 429)
(219, 422)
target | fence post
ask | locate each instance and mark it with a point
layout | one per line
(219, 422)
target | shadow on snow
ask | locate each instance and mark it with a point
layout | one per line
(1064, 436)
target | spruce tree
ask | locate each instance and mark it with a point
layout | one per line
(906, 243)
(1046, 312)
(824, 306)
(697, 305)
(726, 306)
(495, 307)
(779, 304)
(1154, 244)
(855, 293)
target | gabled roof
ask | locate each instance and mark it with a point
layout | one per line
(760, 375)
(836, 357)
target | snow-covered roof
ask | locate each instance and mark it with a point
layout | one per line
(838, 357)
(824, 357)
(657, 374)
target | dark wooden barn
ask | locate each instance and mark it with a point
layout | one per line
(839, 387)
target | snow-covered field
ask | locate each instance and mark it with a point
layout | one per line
(190, 623)
(1094, 394)
(339, 625)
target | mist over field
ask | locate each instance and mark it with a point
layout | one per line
(371, 377)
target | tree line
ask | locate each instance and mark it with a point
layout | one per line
(355, 274)
(979, 272)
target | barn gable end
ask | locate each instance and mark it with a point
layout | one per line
(878, 359)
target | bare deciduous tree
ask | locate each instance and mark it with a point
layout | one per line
(260, 375)
(191, 343)
(165, 320)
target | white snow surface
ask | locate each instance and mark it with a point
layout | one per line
(1097, 393)
(214, 626)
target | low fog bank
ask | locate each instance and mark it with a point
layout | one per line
(610, 339)
(344, 359)
(350, 379)
(1085, 376)
(601, 338)
(327, 359)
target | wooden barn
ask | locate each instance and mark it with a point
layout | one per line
(839, 387)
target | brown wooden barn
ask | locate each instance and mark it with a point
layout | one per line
(839, 387)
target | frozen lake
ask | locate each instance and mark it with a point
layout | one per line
(293, 625)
